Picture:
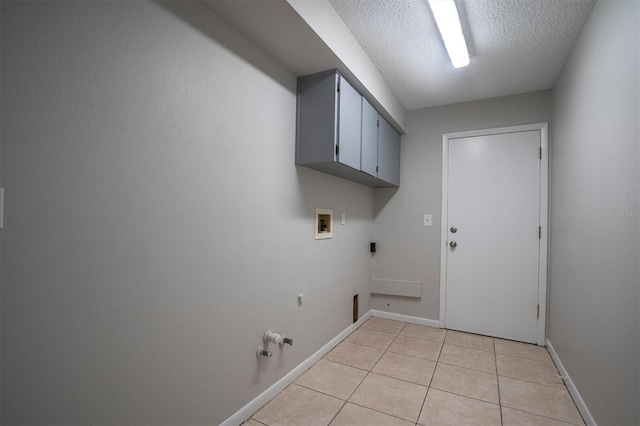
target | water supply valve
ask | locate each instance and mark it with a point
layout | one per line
(271, 337)
(278, 339)
(262, 352)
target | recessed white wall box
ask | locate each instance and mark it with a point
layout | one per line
(324, 224)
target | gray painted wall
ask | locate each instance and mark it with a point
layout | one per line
(406, 249)
(155, 223)
(594, 278)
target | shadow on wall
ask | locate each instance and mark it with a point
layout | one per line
(207, 23)
(321, 190)
(382, 198)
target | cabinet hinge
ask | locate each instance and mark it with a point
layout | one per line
(538, 311)
(541, 153)
(337, 149)
(378, 122)
(338, 89)
(539, 232)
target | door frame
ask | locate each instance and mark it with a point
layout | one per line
(544, 216)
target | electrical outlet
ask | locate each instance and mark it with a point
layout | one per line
(427, 220)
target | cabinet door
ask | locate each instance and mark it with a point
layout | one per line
(316, 119)
(349, 130)
(388, 153)
(369, 154)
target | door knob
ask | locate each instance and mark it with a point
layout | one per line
(454, 229)
(453, 244)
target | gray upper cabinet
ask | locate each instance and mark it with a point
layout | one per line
(388, 153)
(317, 119)
(349, 129)
(369, 145)
(340, 133)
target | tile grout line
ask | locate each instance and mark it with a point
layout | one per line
(398, 353)
(421, 339)
(371, 371)
(403, 380)
(368, 346)
(538, 414)
(441, 343)
(425, 394)
(400, 380)
(398, 334)
(363, 378)
(528, 359)
(438, 360)
(468, 397)
(546, 417)
(340, 363)
(338, 412)
(382, 412)
(424, 401)
(464, 368)
(495, 357)
(323, 393)
(411, 356)
(387, 350)
(467, 347)
(533, 383)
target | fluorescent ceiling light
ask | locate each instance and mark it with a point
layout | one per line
(448, 22)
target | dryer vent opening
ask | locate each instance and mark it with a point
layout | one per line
(355, 308)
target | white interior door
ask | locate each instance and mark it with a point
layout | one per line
(492, 240)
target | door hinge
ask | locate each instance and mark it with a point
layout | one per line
(338, 89)
(376, 169)
(337, 149)
(539, 232)
(378, 122)
(538, 311)
(541, 153)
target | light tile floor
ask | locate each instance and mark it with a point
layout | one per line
(393, 373)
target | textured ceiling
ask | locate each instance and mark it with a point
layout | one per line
(516, 46)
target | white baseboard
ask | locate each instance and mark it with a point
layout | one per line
(247, 411)
(582, 407)
(405, 318)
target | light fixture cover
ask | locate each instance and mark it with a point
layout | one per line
(446, 15)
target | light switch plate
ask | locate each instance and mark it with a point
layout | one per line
(427, 220)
